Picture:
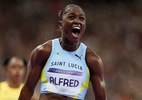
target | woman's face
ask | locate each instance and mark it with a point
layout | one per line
(73, 23)
(15, 69)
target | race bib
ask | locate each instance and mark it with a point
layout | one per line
(64, 81)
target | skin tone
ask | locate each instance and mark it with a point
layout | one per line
(15, 71)
(70, 20)
(73, 16)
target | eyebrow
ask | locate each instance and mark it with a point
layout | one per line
(75, 14)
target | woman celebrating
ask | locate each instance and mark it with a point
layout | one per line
(64, 65)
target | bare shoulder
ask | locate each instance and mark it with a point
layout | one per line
(94, 62)
(45, 46)
(92, 56)
(43, 49)
(41, 53)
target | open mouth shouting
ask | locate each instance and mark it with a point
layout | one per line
(76, 31)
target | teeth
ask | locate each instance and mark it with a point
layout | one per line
(76, 31)
(76, 27)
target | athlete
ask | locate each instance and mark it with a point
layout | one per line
(15, 68)
(64, 65)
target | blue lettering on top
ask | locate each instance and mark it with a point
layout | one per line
(64, 82)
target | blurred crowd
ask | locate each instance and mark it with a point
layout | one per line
(114, 32)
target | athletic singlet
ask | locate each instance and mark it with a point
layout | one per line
(8, 93)
(66, 73)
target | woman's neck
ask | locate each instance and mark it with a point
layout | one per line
(13, 84)
(67, 45)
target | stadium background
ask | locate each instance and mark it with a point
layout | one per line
(114, 31)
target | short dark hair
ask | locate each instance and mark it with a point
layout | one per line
(63, 11)
(8, 59)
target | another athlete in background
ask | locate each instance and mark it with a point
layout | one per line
(64, 65)
(15, 68)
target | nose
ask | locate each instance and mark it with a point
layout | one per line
(76, 21)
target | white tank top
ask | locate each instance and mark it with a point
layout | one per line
(66, 73)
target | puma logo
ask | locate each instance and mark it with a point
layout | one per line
(78, 56)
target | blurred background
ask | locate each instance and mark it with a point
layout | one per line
(114, 32)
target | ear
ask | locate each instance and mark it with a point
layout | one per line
(6, 69)
(60, 24)
(60, 27)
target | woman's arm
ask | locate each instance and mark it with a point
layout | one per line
(95, 66)
(36, 63)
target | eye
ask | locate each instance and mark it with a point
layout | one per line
(13, 66)
(82, 18)
(71, 17)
